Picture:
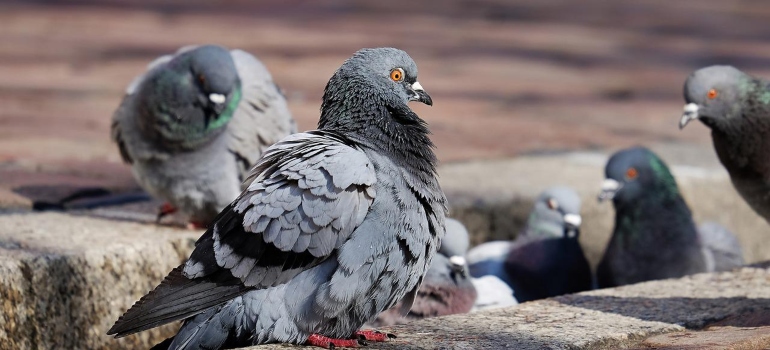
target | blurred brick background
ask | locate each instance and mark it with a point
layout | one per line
(507, 77)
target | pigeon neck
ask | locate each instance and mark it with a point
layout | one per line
(395, 131)
(652, 221)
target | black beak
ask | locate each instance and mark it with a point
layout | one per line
(420, 94)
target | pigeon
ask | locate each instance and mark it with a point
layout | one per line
(446, 290)
(337, 224)
(546, 259)
(491, 292)
(654, 235)
(195, 123)
(736, 106)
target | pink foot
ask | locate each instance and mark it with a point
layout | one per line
(331, 343)
(376, 336)
(195, 225)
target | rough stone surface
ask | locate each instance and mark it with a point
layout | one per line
(604, 319)
(493, 198)
(718, 338)
(64, 279)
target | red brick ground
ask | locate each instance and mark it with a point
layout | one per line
(507, 77)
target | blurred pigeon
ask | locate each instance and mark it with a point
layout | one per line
(721, 248)
(736, 106)
(546, 259)
(337, 225)
(446, 290)
(654, 236)
(195, 123)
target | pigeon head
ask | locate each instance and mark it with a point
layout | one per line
(190, 99)
(713, 96)
(556, 214)
(381, 78)
(215, 77)
(634, 173)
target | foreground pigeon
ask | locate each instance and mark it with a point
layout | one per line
(654, 236)
(736, 106)
(546, 259)
(337, 225)
(195, 123)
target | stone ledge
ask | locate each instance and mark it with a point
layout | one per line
(603, 319)
(65, 279)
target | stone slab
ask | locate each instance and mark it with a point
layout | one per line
(64, 279)
(603, 319)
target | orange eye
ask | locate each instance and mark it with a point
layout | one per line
(201, 78)
(552, 204)
(631, 173)
(397, 74)
(712, 94)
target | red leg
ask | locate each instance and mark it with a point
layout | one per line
(331, 343)
(164, 210)
(373, 335)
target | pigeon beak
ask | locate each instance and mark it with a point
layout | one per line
(458, 264)
(572, 225)
(420, 94)
(573, 220)
(217, 98)
(690, 113)
(609, 188)
(217, 104)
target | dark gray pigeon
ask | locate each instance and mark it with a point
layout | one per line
(546, 259)
(736, 106)
(195, 123)
(337, 225)
(654, 236)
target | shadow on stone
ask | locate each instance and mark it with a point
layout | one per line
(691, 313)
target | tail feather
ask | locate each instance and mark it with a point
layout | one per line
(176, 298)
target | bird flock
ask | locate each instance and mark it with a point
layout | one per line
(314, 237)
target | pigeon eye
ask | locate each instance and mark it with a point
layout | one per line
(631, 173)
(201, 79)
(397, 74)
(552, 204)
(712, 94)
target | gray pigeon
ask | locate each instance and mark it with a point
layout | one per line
(195, 123)
(654, 236)
(490, 291)
(336, 225)
(736, 106)
(546, 259)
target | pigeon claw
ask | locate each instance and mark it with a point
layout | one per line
(375, 336)
(332, 343)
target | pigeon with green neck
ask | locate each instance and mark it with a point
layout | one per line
(654, 235)
(195, 123)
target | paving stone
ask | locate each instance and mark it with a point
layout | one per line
(64, 279)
